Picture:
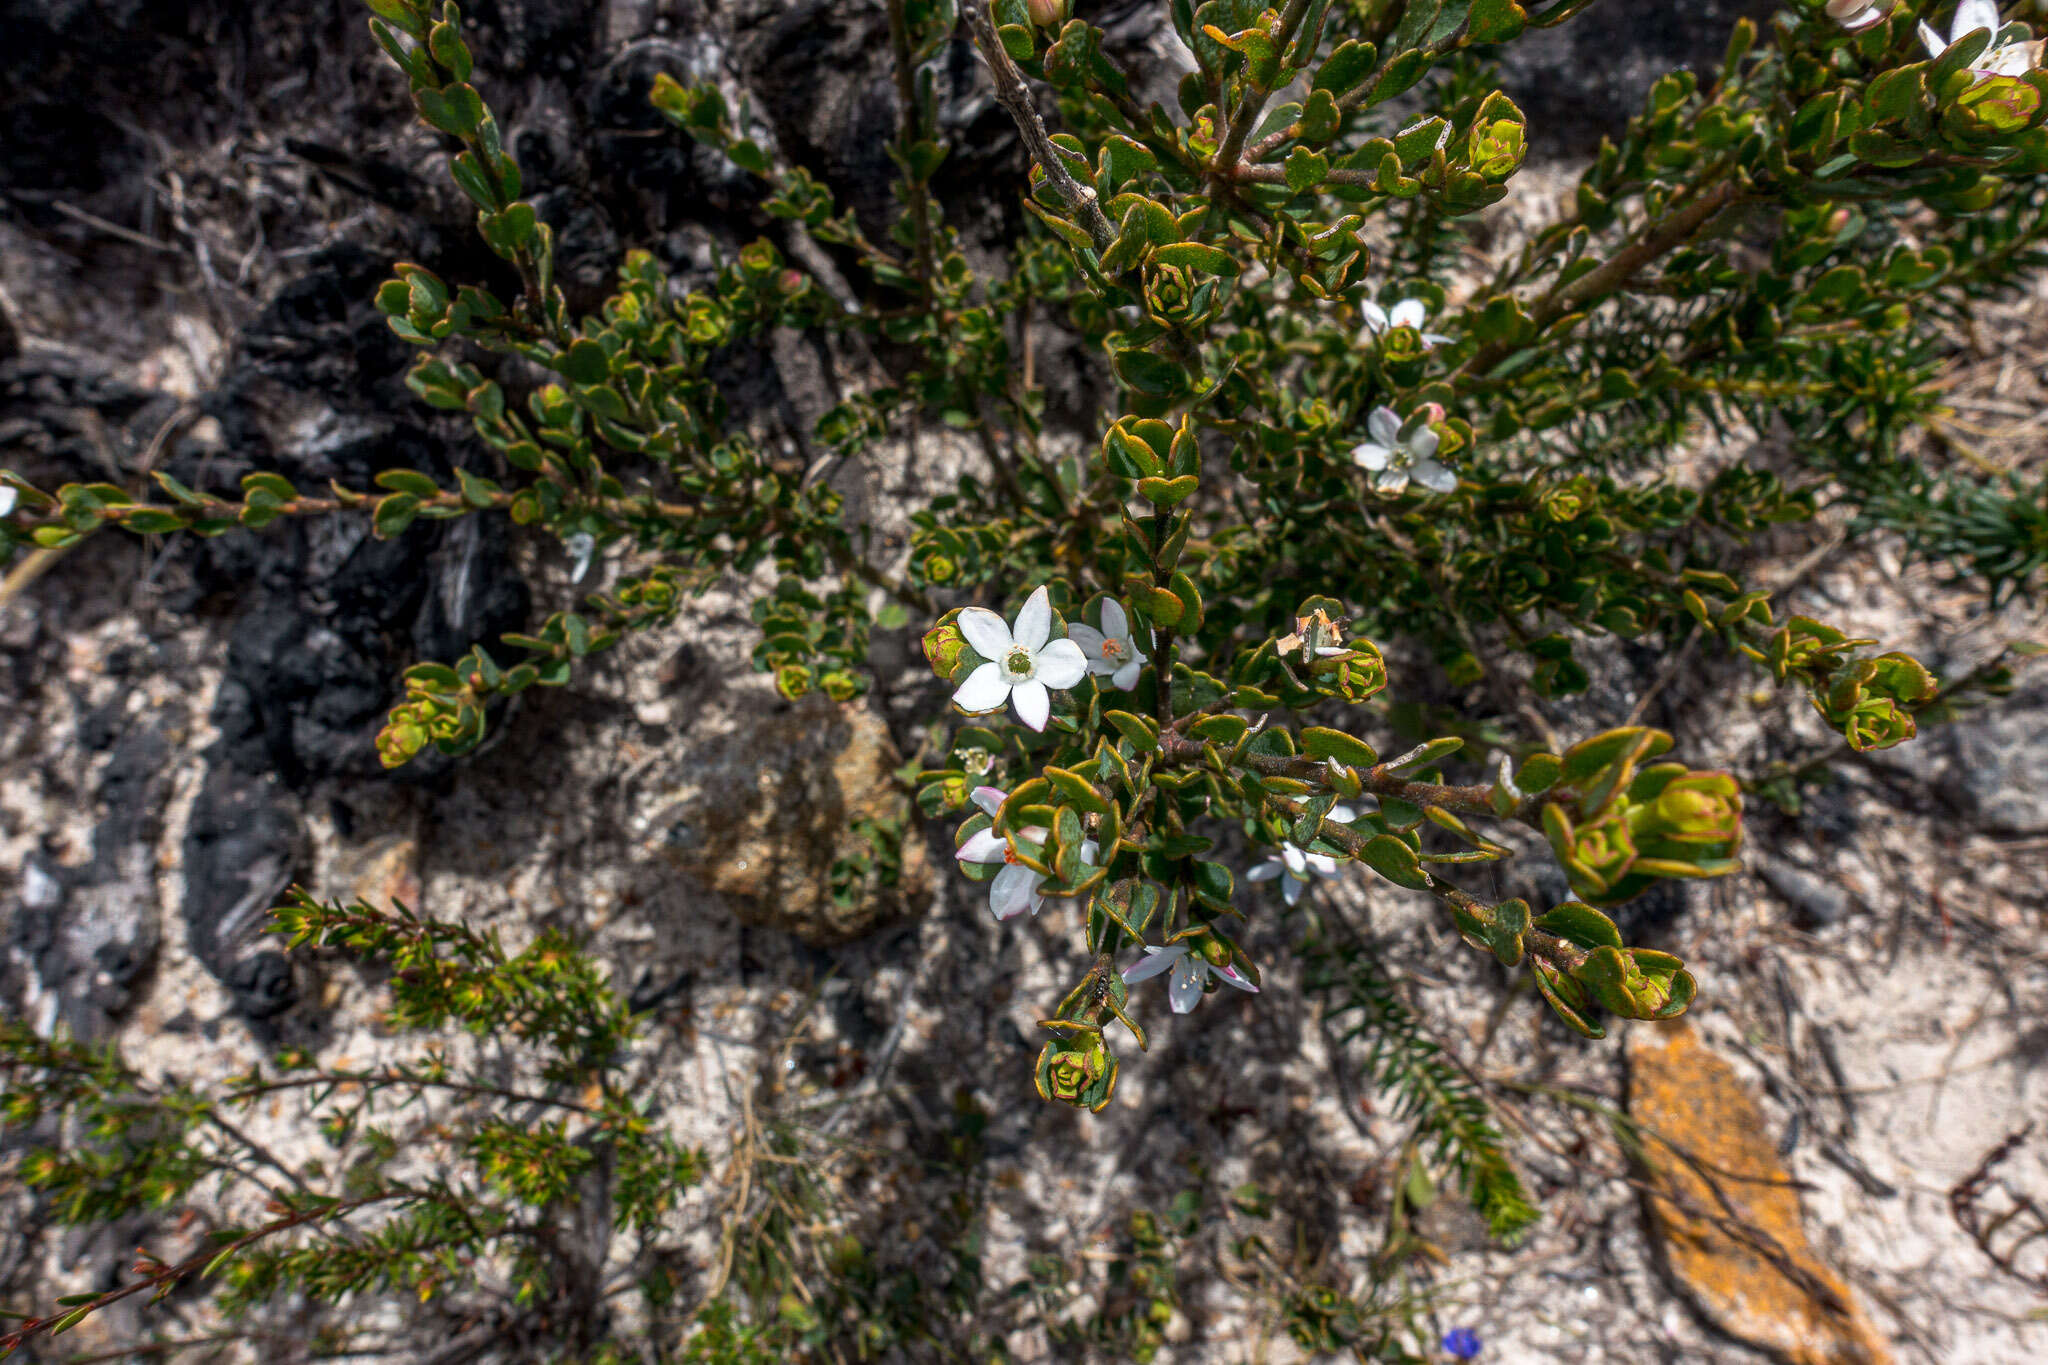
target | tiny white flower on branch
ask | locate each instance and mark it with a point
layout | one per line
(1393, 458)
(1023, 662)
(1015, 888)
(2011, 59)
(1297, 867)
(1191, 973)
(1407, 313)
(1112, 651)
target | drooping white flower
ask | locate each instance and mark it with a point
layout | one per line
(1015, 888)
(583, 545)
(1112, 651)
(1393, 459)
(1023, 663)
(1297, 867)
(1856, 15)
(2010, 59)
(1191, 973)
(1407, 313)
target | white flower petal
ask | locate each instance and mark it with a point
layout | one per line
(1061, 664)
(1390, 480)
(1090, 640)
(1156, 960)
(983, 846)
(1436, 339)
(1342, 813)
(1409, 313)
(1294, 859)
(986, 632)
(1127, 676)
(984, 691)
(1931, 40)
(1115, 623)
(1266, 871)
(1423, 443)
(1014, 891)
(1184, 987)
(1236, 978)
(1370, 455)
(1384, 425)
(1375, 317)
(1435, 477)
(1292, 890)
(989, 799)
(1034, 621)
(2010, 60)
(1322, 864)
(1972, 15)
(1090, 851)
(1034, 703)
(8, 500)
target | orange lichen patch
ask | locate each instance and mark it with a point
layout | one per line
(1725, 1214)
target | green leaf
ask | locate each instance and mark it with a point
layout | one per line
(585, 362)
(1346, 67)
(453, 109)
(394, 514)
(1581, 924)
(1423, 755)
(1161, 606)
(407, 481)
(1305, 169)
(1400, 74)
(1142, 733)
(1195, 256)
(1211, 883)
(152, 521)
(1167, 492)
(1076, 790)
(1321, 742)
(1222, 729)
(263, 481)
(1393, 859)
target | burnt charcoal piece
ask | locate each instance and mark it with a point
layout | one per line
(240, 850)
(316, 393)
(1585, 79)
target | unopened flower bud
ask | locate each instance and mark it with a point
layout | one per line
(1047, 13)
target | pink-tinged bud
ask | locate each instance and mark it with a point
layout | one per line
(1047, 13)
(1435, 411)
(1838, 220)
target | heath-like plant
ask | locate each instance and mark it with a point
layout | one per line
(1329, 440)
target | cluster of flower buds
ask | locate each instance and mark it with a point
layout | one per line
(1616, 826)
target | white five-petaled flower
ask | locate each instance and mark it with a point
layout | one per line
(1407, 313)
(1191, 973)
(1015, 888)
(1022, 662)
(1856, 15)
(1297, 867)
(2011, 59)
(1112, 651)
(1393, 459)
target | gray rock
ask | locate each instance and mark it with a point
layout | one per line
(1818, 901)
(1992, 763)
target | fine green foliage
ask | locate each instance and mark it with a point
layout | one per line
(1451, 1116)
(1330, 445)
(486, 1220)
